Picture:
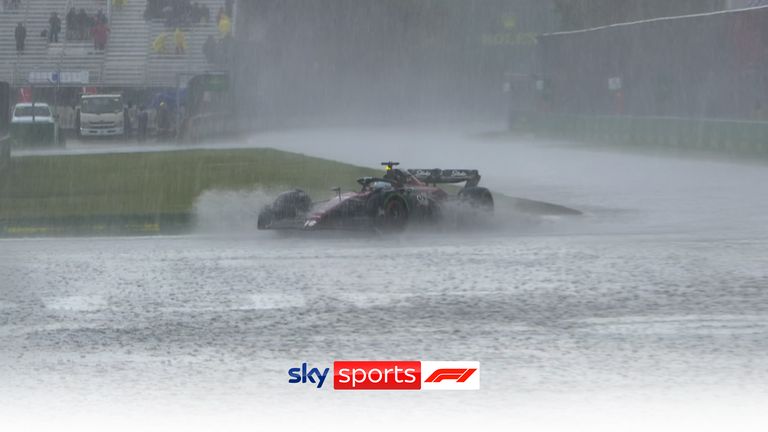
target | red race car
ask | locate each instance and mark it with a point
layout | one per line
(388, 204)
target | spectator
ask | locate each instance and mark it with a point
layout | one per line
(101, 18)
(127, 125)
(225, 25)
(83, 23)
(21, 36)
(205, 13)
(71, 20)
(54, 28)
(142, 120)
(181, 41)
(118, 4)
(158, 45)
(131, 121)
(100, 33)
(209, 49)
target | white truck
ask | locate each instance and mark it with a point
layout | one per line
(100, 115)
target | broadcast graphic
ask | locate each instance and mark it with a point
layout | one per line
(397, 215)
(392, 375)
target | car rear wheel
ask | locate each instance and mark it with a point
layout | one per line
(393, 215)
(478, 198)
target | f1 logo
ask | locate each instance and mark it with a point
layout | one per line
(458, 375)
(450, 375)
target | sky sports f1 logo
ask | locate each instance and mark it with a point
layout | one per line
(392, 375)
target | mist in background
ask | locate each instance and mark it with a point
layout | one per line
(372, 61)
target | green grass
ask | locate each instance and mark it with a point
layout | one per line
(157, 183)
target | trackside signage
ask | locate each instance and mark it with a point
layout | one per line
(391, 375)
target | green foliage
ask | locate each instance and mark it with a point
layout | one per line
(156, 183)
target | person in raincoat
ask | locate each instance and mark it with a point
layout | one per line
(225, 25)
(100, 34)
(181, 41)
(158, 45)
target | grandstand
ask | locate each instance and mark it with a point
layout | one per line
(128, 60)
(39, 55)
(163, 68)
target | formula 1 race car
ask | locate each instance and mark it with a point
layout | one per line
(387, 204)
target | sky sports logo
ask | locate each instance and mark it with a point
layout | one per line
(391, 375)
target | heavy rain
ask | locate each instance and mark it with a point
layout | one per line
(200, 198)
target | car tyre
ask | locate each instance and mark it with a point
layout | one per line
(478, 198)
(393, 215)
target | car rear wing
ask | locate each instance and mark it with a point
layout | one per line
(435, 176)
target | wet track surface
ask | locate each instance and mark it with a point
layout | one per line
(661, 285)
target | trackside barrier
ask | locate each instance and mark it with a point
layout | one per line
(731, 136)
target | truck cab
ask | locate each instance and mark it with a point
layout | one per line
(101, 115)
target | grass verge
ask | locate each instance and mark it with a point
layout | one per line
(155, 184)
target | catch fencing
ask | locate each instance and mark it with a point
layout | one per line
(711, 66)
